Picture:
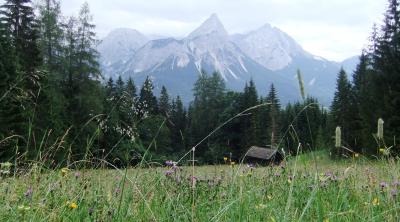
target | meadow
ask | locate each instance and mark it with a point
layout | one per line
(307, 187)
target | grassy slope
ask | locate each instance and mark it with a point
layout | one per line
(322, 190)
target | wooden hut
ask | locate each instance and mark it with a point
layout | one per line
(263, 155)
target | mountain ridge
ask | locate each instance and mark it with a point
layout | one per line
(267, 54)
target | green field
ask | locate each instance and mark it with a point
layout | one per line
(306, 188)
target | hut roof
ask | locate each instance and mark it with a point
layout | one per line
(261, 152)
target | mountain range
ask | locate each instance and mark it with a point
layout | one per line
(266, 55)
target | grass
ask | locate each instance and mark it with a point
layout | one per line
(308, 187)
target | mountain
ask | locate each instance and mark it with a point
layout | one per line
(117, 47)
(269, 46)
(350, 64)
(266, 55)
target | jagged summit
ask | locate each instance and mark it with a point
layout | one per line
(266, 55)
(210, 26)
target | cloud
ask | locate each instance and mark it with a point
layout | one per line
(331, 29)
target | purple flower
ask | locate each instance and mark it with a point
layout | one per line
(77, 174)
(117, 191)
(383, 185)
(28, 192)
(90, 211)
(169, 163)
(168, 172)
(277, 174)
(175, 168)
(328, 174)
(394, 193)
(396, 183)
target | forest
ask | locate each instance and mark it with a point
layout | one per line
(56, 106)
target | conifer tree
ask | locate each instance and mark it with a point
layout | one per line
(341, 107)
(164, 105)
(147, 100)
(274, 115)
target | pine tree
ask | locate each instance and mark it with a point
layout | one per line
(249, 122)
(341, 108)
(50, 109)
(207, 107)
(147, 100)
(83, 91)
(274, 115)
(10, 111)
(178, 124)
(21, 28)
(387, 68)
(164, 105)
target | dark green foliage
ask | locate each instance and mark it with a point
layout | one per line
(69, 113)
(147, 100)
(164, 106)
(342, 109)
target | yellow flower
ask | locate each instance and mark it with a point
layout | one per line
(261, 206)
(381, 150)
(64, 171)
(356, 155)
(225, 158)
(73, 205)
(375, 202)
(289, 181)
(23, 208)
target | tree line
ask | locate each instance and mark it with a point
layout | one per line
(55, 106)
(373, 92)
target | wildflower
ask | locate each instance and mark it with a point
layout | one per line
(117, 191)
(380, 128)
(394, 193)
(193, 180)
(269, 197)
(73, 205)
(375, 202)
(261, 206)
(356, 155)
(175, 168)
(90, 211)
(23, 208)
(396, 183)
(77, 174)
(170, 163)
(225, 158)
(338, 137)
(168, 172)
(28, 192)
(277, 174)
(64, 171)
(383, 185)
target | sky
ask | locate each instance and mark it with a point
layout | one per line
(333, 29)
